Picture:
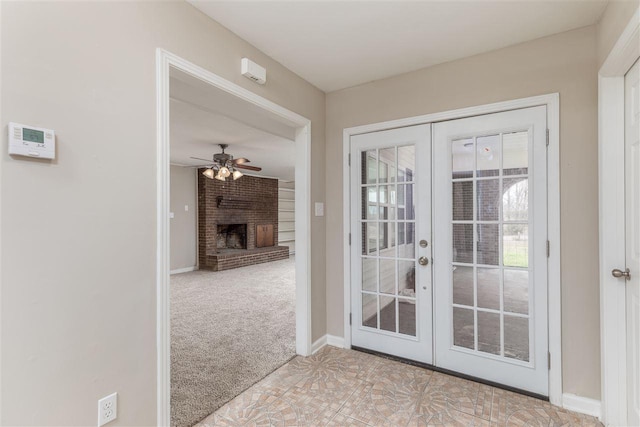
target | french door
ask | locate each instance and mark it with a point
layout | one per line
(391, 289)
(468, 266)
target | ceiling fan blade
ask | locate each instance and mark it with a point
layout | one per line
(247, 167)
(204, 160)
(240, 161)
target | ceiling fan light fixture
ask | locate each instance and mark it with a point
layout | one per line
(224, 172)
(237, 174)
(220, 177)
(209, 173)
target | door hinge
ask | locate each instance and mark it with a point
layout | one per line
(549, 360)
(350, 319)
(548, 249)
(349, 239)
(349, 159)
(547, 137)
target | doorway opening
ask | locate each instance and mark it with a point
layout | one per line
(183, 86)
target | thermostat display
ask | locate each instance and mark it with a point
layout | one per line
(32, 141)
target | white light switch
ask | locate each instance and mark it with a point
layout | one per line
(319, 209)
(186, 208)
(171, 215)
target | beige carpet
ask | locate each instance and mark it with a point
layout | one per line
(229, 330)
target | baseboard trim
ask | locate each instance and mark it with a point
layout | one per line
(325, 340)
(335, 341)
(584, 405)
(183, 270)
(318, 344)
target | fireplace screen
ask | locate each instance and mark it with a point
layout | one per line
(232, 236)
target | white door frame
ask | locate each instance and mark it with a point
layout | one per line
(164, 62)
(611, 212)
(552, 102)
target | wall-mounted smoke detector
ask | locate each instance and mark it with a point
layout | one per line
(253, 71)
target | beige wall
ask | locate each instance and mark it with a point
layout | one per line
(79, 234)
(183, 224)
(612, 22)
(564, 63)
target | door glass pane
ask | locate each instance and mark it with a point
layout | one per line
(463, 243)
(370, 274)
(387, 157)
(388, 313)
(407, 316)
(490, 224)
(408, 249)
(462, 158)
(516, 153)
(463, 328)
(463, 285)
(516, 337)
(489, 332)
(488, 155)
(516, 291)
(388, 240)
(369, 238)
(462, 199)
(488, 194)
(488, 244)
(388, 276)
(489, 288)
(369, 167)
(515, 199)
(369, 202)
(407, 278)
(409, 204)
(515, 243)
(406, 163)
(369, 310)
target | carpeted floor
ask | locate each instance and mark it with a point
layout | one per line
(229, 330)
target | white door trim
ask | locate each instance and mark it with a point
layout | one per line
(552, 102)
(611, 212)
(164, 62)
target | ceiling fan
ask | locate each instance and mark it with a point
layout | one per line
(224, 165)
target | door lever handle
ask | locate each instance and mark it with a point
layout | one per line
(619, 273)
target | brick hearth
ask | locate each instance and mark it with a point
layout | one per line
(248, 200)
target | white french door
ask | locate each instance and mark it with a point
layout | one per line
(457, 280)
(490, 247)
(390, 222)
(632, 240)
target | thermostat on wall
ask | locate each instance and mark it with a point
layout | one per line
(32, 141)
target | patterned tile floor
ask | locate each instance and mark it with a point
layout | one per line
(338, 387)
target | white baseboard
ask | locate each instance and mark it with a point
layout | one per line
(331, 340)
(335, 341)
(318, 344)
(583, 405)
(183, 270)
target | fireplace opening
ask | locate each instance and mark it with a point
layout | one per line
(232, 236)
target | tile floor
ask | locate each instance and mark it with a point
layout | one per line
(338, 387)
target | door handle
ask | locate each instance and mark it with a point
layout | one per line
(619, 273)
(423, 260)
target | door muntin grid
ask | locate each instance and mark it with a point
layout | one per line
(388, 255)
(492, 276)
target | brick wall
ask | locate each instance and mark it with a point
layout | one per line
(248, 200)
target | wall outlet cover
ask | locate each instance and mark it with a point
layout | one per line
(107, 409)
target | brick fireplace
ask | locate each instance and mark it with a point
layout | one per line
(238, 222)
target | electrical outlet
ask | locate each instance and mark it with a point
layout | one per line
(107, 409)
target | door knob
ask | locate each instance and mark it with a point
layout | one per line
(423, 260)
(619, 273)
